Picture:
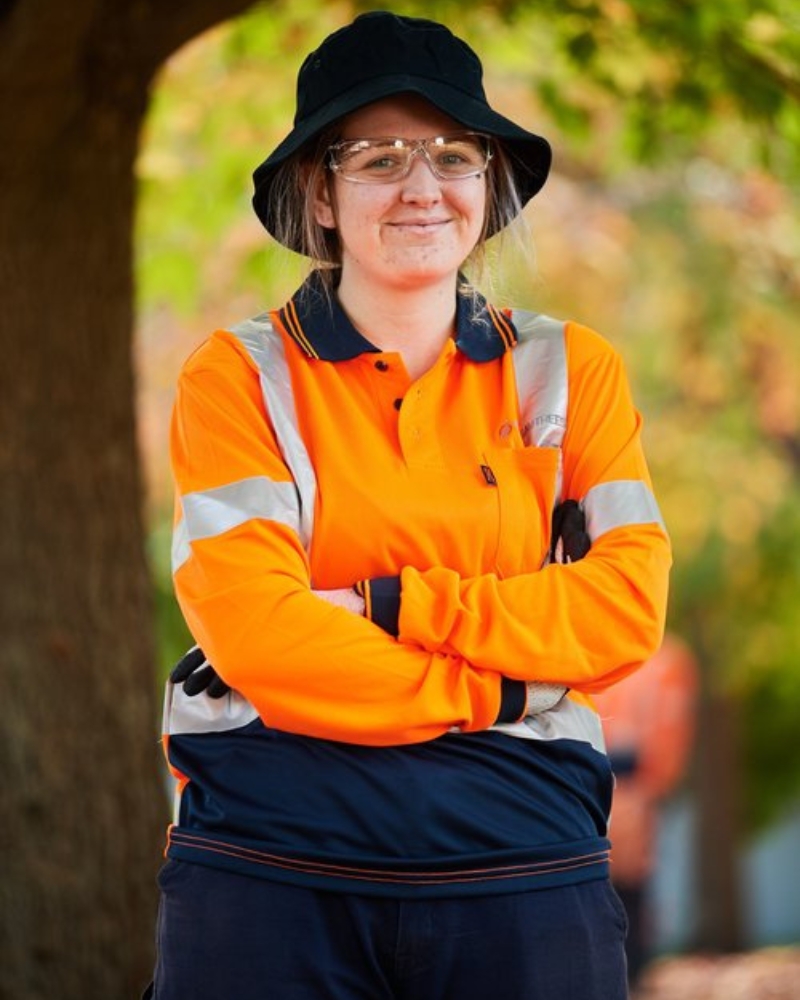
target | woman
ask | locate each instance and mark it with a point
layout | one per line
(402, 792)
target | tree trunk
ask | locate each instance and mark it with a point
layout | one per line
(82, 810)
(80, 796)
(718, 785)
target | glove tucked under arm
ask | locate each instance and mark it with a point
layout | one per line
(197, 675)
(569, 541)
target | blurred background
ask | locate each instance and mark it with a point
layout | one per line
(670, 224)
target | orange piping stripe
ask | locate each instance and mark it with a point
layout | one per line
(503, 326)
(295, 330)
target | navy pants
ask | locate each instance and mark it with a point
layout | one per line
(223, 936)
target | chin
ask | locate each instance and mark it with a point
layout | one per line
(423, 270)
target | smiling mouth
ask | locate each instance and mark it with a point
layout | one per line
(420, 224)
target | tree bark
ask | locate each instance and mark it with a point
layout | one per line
(82, 809)
(719, 926)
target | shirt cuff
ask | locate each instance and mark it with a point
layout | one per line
(513, 700)
(382, 602)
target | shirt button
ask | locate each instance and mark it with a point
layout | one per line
(382, 366)
(505, 430)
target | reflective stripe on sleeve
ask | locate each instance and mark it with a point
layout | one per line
(210, 513)
(620, 504)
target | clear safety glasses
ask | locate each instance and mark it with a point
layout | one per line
(388, 159)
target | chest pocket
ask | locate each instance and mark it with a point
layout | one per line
(527, 482)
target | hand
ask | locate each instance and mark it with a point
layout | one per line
(345, 597)
(570, 541)
(197, 675)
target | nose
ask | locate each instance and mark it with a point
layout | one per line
(420, 183)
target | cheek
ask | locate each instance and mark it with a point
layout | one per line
(477, 217)
(360, 212)
(475, 206)
(469, 202)
(349, 209)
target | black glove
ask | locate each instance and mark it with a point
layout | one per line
(197, 675)
(569, 528)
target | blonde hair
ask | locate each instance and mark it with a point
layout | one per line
(504, 219)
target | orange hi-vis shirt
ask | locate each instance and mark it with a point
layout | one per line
(307, 460)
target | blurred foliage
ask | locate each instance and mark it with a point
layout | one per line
(670, 224)
(173, 635)
(663, 68)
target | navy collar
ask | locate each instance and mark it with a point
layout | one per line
(322, 329)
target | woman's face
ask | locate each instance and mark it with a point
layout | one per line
(414, 231)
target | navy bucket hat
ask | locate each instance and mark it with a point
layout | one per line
(381, 55)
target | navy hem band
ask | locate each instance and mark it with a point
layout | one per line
(545, 868)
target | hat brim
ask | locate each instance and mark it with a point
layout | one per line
(530, 154)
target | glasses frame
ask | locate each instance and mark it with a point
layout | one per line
(418, 147)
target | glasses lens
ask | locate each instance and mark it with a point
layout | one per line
(371, 160)
(380, 161)
(458, 156)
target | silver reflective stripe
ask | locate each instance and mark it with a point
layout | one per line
(181, 550)
(540, 368)
(185, 713)
(265, 347)
(542, 389)
(567, 721)
(540, 372)
(214, 511)
(210, 513)
(619, 504)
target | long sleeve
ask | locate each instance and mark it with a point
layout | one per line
(346, 757)
(588, 624)
(243, 583)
